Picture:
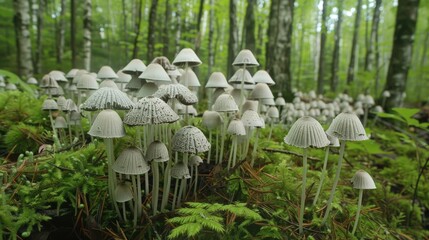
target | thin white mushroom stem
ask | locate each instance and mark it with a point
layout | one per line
(155, 190)
(304, 181)
(196, 181)
(184, 181)
(242, 88)
(255, 147)
(322, 176)
(358, 211)
(231, 152)
(166, 187)
(181, 191)
(175, 194)
(124, 210)
(336, 179)
(210, 150)
(223, 133)
(54, 130)
(217, 145)
(234, 148)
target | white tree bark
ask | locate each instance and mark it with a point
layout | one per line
(87, 34)
(22, 36)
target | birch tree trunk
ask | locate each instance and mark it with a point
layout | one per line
(73, 33)
(402, 51)
(39, 46)
(165, 34)
(124, 29)
(87, 24)
(336, 54)
(355, 43)
(320, 80)
(137, 29)
(211, 34)
(178, 26)
(199, 36)
(369, 56)
(151, 32)
(249, 26)
(21, 21)
(61, 31)
(233, 36)
(278, 51)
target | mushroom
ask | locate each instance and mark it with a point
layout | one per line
(244, 59)
(212, 120)
(216, 80)
(195, 161)
(235, 128)
(180, 172)
(305, 132)
(274, 115)
(251, 119)
(50, 105)
(123, 193)
(361, 180)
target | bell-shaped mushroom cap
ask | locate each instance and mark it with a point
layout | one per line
(359, 111)
(69, 106)
(147, 89)
(187, 56)
(77, 75)
(195, 160)
(72, 73)
(238, 77)
(32, 81)
(262, 76)
(190, 139)
(386, 94)
(48, 82)
(211, 119)
(87, 81)
(225, 103)
(157, 151)
(131, 162)
(75, 118)
(135, 66)
(245, 57)
(178, 91)
(378, 109)
(58, 91)
(72, 88)
(333, 141)
(155, 72)
(180, 171)
(189, 78)
(217, 80)
(106, 72)
(368, 100)
(58, 76)
(273, 112)
(347, 126)
(150, 110)
(134, 84)
(108, 83)
(362, 180)
(123, 192)
(261, 91)
(60, 122)
(107, 98)
(49, 104)
(107, 124)
(217, 92)
(306, 132)
(123, 77)
(280, 101)
(268, 101)
(250, 105)
(61, 101)
(236, 127)
(251, 118)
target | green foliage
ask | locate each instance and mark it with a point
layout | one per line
(22, 137)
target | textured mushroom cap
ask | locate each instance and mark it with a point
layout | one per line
(87, 81)
(250, 105)
(238, 77)
(306, 132)
(261, 91)
(225, 103)
(48, 82)
(280, 101)
(72, 73)
(362, 180)
(49, 104)
(147, 89)
(189, 78)
(157, 151)
(386, 94)
(58, 76)
(123, 192)
(32, 81)
(131, 161)
(61, 101)
(333, 141)
(123, 77)
(150, 110)
(251, 118)
(135, 66)
(211, 119)
(245, 57)
(108, 83)
(262, 76)
(60, 122)
(107, 124)
(273, 112)
(180, 171)
(217, 80)
(195, 160)
(155, 72)
(106, 72)
(236, 127)
(190, 139)
(69, 106)
(107, 98)
(187, 56)
(178, 91)
(347, 126)
(134, 84)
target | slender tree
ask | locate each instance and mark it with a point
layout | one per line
(369, 56)
(165, 34)
(211, 35)
(278, 50)
(336, 54)
(151, 38)
(137, 24)
(60, 32)
(73, 32)
(402, 51)
(21, 21)
(233, 36)
(178, 26)
(87, 14)
(249, 26)
(39, 46)
(197, 41)
(355, 45)
(320, 77)
(125, 28)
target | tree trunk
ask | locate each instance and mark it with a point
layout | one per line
(165, 34)
(352, 64)
(178, 26)
(336, 54)
(137, 29)
(73, 33)
(22, 36)
(369, 57)
(402, 51)
(211, 34)
(87, 13)
(124, 29)
(249, 26)
(39, 45)
(320, 80)
(198, 36)
(278, 51)
(233, 36)
(151, 32)
(61, 31)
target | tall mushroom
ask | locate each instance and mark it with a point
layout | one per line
(361, 180)
(244, 59)
(235, 128)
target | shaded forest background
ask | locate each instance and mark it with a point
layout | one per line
(217, 30)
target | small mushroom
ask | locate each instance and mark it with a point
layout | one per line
(362, 181)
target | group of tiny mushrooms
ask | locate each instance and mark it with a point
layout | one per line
(157, 102)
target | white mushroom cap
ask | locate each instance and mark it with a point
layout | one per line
(32, 81)
(107, 98)
(225, 103)
(245, 57)
(123, 192)
(178, 91)
(157, 151)
(72, 73)
(123, 77)
(189, 78)
(106, 72)
(262, 76)
(150, 110)
(251, 118)
(191, 140)
(60, 122)
(61, 101)
(268, 101)
(378, 109)
(131, 161)
(48, 82)
(347, 126)
(87, 81)
(155, 72)
(69, 106)
(211, 119)
(273, 112)
(236, 127)
(135, 66)
(250, 105)
(107, 124)
(49, 104)
(187, 56)
(180, 171)
(280, 101)
(217, 80)
(306, 132)
(134, 84)
(386, 94)
(368, 101)
(261, 91)
(195, 160)
(333, 141)
(362, 180)
(108, 83)
(58, 76)
(238, 77)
